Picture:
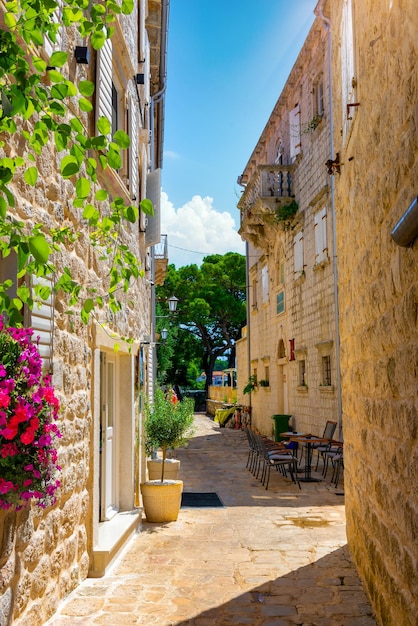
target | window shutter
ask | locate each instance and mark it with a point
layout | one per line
(298, 252)
(320, 227)
(42, 322)
(347, 65)
(294, 132)
(153, 231)
(265, 283)
(133, 149)
(104, 82)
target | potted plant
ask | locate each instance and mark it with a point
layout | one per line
(167, 425)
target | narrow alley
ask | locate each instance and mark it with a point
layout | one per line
(271, 558)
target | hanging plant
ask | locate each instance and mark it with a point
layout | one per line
(285, 213)
(251, 385)
(28, 433)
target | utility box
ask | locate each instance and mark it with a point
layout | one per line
(281, 425)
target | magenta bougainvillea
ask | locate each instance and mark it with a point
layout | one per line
(28, 433)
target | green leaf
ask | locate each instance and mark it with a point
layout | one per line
(103, 126)
(147, 207)
(90, 212)
(86, 88)
(58, 59)
(10, 20)
(122, 139)
(127, 6)
(114, 159)
(69, 166)
(39, 64)
(55, 76)
(101, 194)
(39, 248)
(98, 39)
(3, 208)
(76, 125)
(85, 105)
(58, 108)
(82, 188)
(31, 176)
(131, 213)
(59, 91)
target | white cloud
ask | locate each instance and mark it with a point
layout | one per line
(196, 229)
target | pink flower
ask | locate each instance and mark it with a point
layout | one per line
(5, 485)
(9, 449)
(2, 370)
(4, 399)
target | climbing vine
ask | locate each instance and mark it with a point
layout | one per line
(41, 110)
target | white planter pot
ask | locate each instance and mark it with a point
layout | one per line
(171, 469)
(161, 500)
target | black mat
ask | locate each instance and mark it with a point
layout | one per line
(200, 500)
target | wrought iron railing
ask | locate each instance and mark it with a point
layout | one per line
(269, 181)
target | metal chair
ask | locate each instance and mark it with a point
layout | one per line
(279, 457)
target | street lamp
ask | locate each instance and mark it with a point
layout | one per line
(172, 304)
(164, 334)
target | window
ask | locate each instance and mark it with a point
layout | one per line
(320, 230)
(347, 67)
(281, 351)
(326, 370)
(267, 376)
(294, 132)
(318, 98)
(280, 302)
(298, 253)
(254, 293)
(302, 373)
(265, 283)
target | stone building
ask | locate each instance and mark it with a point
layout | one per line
(289, 347)
(375, 138)
(97, 375)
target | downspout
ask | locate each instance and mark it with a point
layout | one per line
(247, 282)
(156, 98)
(319, 12)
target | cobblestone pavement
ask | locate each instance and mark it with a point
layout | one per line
(276, 557)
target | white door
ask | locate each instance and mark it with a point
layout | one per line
(108, 486)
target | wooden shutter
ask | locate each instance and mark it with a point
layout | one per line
(320, 227)
(294, 132)
(153, 192)
(104, 82)
(298, 252)
(347, 65)
(42, 322)
(133, 150)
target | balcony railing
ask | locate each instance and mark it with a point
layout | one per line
(161, 260)
(161, 249)
(269, 182)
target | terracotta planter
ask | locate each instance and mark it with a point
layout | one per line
(171, 469)
(161, 500)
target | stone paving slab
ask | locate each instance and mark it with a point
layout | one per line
(271, 558)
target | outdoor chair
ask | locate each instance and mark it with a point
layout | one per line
(328, 434)
(279, 458)
(335, 454)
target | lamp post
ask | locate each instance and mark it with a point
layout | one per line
(172, 303)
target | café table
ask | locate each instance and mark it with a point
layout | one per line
(309, 440)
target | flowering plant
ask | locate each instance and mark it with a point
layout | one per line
(28, 410)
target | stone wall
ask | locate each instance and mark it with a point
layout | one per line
(378, 297)
(46, 554)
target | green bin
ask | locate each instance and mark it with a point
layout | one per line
(281, 425)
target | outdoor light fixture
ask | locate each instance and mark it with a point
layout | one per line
(172, 304)
(164, 334)
(406, 230)
(140, 79)
(82, 54)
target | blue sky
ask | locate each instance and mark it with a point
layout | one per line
(228, 61)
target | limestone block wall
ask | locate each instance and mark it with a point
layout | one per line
(378, 296)
(45, 554)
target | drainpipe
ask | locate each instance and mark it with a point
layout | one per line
(247, 282)
(319, 12)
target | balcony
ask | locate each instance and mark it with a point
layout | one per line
(270, 187)
(161, 260)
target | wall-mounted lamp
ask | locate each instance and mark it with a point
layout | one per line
(164, 334)
(406, 230)
(82, 54)
(334, 165)
(140, 79)
(172, 304)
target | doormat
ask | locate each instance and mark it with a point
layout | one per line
(200, 500)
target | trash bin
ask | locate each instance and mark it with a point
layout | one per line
(281, 425)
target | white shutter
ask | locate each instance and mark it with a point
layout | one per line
(153, 193)
(347, 65)
(265, 283)
(104, 82)
(133, 149)
(294, 132)
(320, 227)
(42, 322)
(298, 252)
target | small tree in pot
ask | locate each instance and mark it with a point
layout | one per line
(167, 425)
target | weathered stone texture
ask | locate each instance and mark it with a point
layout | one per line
(378, 297)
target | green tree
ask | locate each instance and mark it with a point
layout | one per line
(211, 307)
(43, 112)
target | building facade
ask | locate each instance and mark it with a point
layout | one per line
(99, 368)
(289, 350)
(375, 94)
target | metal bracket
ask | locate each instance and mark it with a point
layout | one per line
(355, 104)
